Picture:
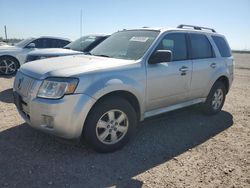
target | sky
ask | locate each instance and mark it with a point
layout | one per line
(33, 18)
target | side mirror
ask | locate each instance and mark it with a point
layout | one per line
(31, 45)
(160, 56)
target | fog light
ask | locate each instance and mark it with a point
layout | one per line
(48, 121)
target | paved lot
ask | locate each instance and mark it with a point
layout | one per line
(183, 148)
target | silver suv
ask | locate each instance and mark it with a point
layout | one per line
(132, 75)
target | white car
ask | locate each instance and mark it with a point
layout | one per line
(82, 45)
(11, 57)
(3, 44)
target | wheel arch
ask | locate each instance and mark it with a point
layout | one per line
(129, 96)
(225, 80)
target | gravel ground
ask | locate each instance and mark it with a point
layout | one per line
(183, 148)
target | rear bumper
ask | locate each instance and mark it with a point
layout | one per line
(64, 117)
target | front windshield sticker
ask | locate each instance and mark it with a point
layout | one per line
(139, 39)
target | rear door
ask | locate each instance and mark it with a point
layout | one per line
(225, 53)
(168, 83)
(204, 64)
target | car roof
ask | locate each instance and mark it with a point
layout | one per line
(162, 29)
(99, 34)
(51, 37)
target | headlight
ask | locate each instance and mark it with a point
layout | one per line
(55, 88)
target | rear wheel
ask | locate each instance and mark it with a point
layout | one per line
(110, 124)
(215, 99)
(8, 65)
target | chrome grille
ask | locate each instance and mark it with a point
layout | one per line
(23, 84)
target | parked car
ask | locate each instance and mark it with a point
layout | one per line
(11, 57)
(132, 75)
(3, 44)
(79, 46)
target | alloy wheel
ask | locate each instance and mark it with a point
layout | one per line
(112, 126)
(7, 66)
(217, 99)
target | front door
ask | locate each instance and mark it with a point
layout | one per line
(168, 83)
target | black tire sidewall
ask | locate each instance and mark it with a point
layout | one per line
(12, 59)
(95, 114)
(208, 108)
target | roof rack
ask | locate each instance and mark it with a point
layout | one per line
(196, 27)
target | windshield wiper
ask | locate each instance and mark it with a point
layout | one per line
(87, 53)
(101, 55)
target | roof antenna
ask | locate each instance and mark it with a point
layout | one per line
(81, 23)
(5, 31)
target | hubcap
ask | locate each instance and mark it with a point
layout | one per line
(7, 66)
(112, 126)
(217, 99)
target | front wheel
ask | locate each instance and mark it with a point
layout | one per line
(110, 124)
(8, 65)
(215, 99)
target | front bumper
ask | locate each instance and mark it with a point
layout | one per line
(64, 117)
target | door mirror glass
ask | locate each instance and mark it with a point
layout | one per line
(31, 45)
(161, 56)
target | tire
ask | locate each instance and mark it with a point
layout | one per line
(8, 65)
(110, 124)
(215, 99)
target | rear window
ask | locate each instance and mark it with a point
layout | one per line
(222, 46)
(200, 46)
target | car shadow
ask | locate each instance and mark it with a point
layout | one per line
(30, 158)
(6, 96)
(7, 76)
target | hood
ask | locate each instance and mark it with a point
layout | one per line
(8, 48)
(71, 66)
(53, 52)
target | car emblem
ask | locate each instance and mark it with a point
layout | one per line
(19, 85)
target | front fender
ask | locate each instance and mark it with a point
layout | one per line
(103, 86)
(11, 54)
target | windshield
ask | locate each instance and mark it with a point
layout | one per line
(82, 43)
(24, 42)
(129, 45)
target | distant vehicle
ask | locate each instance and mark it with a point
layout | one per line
(3, 44)
(132, 75)
(79, 46)
(11, 57)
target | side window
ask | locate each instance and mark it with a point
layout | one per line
(222, 46)
(50, 43)
(38, 43)
(200, 46)
(176, 42)
(42, 43)
(57, 43)
(47, 43)
(54, 43)
(62, 43)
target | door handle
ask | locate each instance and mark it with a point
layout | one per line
(183, 69)
(213, 65)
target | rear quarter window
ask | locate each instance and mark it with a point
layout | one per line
(200, 46)
(222, 46)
